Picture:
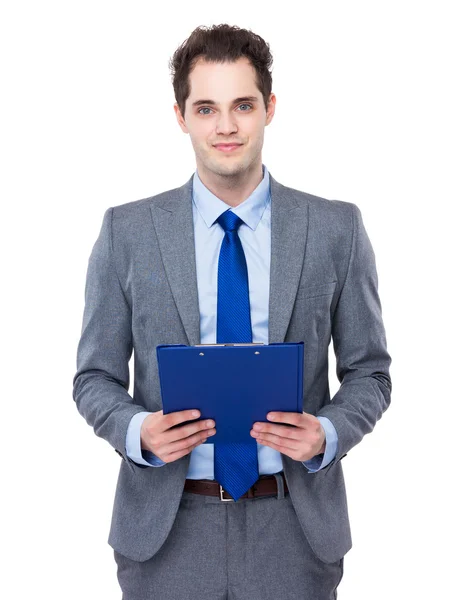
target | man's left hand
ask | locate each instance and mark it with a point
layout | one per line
(302, 442)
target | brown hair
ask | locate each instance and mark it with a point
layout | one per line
(220, 43)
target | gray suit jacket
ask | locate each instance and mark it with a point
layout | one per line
(141, 291)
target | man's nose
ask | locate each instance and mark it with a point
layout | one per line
(226, 124)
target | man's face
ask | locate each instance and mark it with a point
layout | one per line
(225, 119)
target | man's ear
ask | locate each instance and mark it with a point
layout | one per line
(180, 119)
(270, 109)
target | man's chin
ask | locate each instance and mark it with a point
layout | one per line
(223, 168)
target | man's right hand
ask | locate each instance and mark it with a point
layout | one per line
(171, 444)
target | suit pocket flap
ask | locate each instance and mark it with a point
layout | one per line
(321, 289)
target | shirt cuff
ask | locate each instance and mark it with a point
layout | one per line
(133, 443)
(331, 446)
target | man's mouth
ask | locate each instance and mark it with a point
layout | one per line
(227, 147)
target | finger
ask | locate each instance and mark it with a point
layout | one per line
(281, 430)
(186, 442)
(291, 418)
(184, 431)
(285, 450)
(278, 441)
(178, 417)
(176, 455)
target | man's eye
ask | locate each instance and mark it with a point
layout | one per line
(207, 108)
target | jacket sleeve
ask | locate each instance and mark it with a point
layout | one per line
(101, 382)
(359, 342)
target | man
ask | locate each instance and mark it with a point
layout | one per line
(307, 271)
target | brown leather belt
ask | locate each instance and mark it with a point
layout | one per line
(266, 485)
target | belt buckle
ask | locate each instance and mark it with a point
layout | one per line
(221, 495)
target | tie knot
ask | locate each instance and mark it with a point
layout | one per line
(229, 221)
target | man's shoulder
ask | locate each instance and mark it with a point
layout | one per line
(139, 205)
(131, 215)
(340, 211)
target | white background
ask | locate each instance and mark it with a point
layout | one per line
(364, 114)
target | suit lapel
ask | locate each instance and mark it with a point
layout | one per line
(289, 224)
(172, 215)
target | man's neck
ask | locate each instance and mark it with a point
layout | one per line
(232, 190)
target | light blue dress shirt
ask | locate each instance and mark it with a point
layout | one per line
(255, 235)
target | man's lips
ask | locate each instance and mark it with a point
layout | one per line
(227, 147)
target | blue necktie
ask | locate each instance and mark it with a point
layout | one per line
(236, 464)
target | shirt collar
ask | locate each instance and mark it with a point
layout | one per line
(210, 207)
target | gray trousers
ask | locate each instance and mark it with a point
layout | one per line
(252, 549)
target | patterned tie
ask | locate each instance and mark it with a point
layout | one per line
(236, 464)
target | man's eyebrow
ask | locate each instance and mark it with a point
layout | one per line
(213, 103)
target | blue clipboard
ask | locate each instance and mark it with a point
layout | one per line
(233, 384)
